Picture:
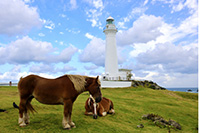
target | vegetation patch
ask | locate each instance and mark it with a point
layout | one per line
(161, 122)
(148, 84)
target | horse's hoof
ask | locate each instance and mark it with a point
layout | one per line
(27, 122)
(68, 128)
(72, 124)
(22, 125)
(104, 113)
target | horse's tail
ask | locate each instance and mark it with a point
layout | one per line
(29, 106)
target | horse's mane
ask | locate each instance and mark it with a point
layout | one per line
(78, 81)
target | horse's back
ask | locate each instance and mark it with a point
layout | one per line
(34, 81)
(106, 103)
(48, 91)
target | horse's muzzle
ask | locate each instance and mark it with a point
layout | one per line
(95, 116)
(98, 99)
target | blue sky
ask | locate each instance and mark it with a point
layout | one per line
(157, 39)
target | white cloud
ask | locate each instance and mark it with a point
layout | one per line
(46, 68)
(91, 67)
(41, 34)
(89, 36)
(141, 48)
(41, 68)
(73, 30)
(149, 75)
(94, 52)
(168, 34)
(179, 80)
(145, 2)
(17, 17)
(26, 50)
(62, 15)
(95, 12)
(144, 29)
(16, 73)
(188, 27)
(172, 58)
(73, 4)
(135, 12)
(66, 54)
(61, 42)
(179, 5)
(98, 4)
(171, 80)
(93, 17)
(192, 5)
(13, 75)
(28, 1)
(49, 24)
(66, 68)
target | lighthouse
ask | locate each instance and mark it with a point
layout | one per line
(111, 60)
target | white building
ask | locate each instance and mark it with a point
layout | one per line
(125, 74)
(111, 60)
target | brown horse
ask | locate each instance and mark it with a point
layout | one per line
(62, 90)
(101, 108)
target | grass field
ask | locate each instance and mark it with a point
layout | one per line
(129, 103)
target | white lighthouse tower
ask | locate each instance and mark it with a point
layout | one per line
(111, 60)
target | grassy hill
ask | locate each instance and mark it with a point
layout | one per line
(129, 103)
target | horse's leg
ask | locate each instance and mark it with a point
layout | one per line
(111, 110)
(27, 117)
(22, 110)
(102, 112)
(72, 124)
(88, 113)
(67, 112)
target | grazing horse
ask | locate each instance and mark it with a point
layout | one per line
(101, 108)
(62, 90)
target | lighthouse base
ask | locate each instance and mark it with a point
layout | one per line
(115, 84)
(119, 76)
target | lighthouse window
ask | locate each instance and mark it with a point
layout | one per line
(109, 21)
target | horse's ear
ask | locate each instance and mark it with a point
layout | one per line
(97, 80)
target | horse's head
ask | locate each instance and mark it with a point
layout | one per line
(93, 85)
(93, 106)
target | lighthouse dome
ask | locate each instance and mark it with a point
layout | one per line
(110, 18)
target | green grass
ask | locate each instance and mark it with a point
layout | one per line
(129, 103)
